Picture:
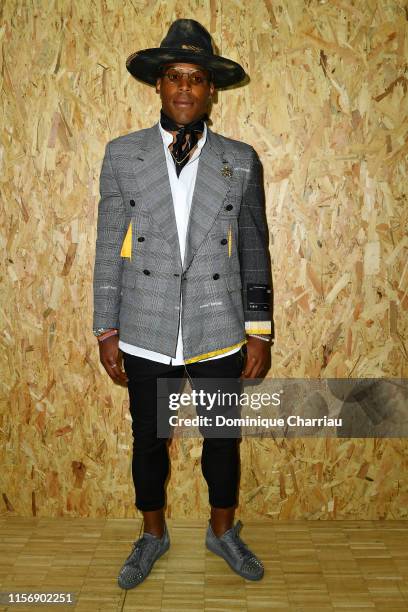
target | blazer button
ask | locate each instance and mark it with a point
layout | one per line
(132, 202)
(229, 207)
(175, 274)
(140, 239)
(216, 276)
(147, 272)
(224, 241)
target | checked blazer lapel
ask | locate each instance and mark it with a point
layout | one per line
(152, 176)
(211, 187)
(210, 190)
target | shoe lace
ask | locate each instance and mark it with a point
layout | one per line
(237, 544)
(138, 547)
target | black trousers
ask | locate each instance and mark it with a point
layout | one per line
(150, 461)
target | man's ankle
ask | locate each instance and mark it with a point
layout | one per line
(154, 522)
(219, 531)
(159, 533)
(222, 519)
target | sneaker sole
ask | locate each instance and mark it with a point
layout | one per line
(242, 574)
(132, 586)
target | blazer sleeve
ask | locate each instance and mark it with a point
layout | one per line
(111, 229)
(255, 264)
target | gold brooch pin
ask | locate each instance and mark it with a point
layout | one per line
(226, 171)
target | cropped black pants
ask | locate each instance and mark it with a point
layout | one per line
(150, 461)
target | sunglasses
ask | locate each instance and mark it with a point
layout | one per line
(195, 77)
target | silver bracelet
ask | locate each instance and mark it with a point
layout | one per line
(264, 338)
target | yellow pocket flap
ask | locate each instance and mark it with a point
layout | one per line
(127, 243)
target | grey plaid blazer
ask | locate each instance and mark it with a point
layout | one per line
(225, 278)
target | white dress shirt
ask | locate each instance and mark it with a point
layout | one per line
(182, 189)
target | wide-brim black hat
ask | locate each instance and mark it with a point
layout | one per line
(186, 41)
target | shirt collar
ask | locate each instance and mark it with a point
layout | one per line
(168, 138)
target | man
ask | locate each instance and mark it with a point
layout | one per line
(182, 281)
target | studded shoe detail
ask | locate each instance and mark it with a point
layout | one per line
(235, 552)
(146, 551)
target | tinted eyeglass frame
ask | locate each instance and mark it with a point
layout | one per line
(179, 74)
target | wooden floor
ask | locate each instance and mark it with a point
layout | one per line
(312, 565)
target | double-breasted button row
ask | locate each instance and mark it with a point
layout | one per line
(229, 207)
(216, 276)
(132, 202)
(224, 241)
(147, 272)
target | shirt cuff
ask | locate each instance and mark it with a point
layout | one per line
(258, 327)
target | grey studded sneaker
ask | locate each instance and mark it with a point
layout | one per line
(146, 550)
(236, 553)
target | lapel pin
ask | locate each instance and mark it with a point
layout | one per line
(226, 171)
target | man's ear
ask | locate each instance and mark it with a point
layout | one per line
(158, 84)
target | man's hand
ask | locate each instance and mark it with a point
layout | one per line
(258, 359)
(111, 359)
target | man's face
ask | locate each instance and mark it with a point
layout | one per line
(181, 100)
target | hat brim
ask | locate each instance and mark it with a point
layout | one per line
(144, 65)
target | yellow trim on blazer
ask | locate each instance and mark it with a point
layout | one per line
(229, 241)
(213, 353)
(127, 243)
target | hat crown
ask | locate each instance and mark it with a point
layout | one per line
(188, 42)
(188, 34)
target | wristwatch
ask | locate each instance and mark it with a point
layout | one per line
(100, 330)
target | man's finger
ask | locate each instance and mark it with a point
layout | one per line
(250, 368)
(121, 375)
(255, 369)
(116, 374)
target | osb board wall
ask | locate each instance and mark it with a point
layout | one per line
(326, 109)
